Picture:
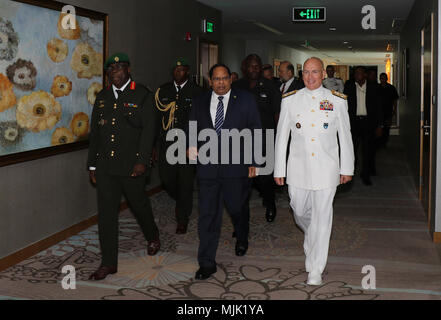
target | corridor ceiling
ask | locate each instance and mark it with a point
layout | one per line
(250, 19)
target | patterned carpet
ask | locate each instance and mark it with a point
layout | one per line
(383, 226)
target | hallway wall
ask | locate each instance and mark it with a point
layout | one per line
(235, 50)
(42, 197)
(410, 107)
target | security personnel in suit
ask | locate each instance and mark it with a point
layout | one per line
(268, 99)
(173, 102)
(121, 142)
(364, 103)
(318, 121)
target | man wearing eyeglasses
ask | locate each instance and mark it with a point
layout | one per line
(121, 141)
(321, 157)
(222, 183)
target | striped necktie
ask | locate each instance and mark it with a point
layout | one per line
(219, 116)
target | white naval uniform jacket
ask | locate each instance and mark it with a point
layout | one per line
(314, 162)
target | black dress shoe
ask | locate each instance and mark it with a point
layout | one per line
(181, 228)
(270, 214)
(205, 272)
(241, 249)
(102, 272)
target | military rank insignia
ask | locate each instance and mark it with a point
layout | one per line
(326, 125)
(326, 106)
(298, 126)
(130, 105)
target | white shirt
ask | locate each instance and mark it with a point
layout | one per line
(122, 88)
(215, 102)
(286, 84)
(361, 99)
(314, 119)
(334, 84)
(182, 85)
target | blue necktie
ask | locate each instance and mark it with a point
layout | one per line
(219, 116)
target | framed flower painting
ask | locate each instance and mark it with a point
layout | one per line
(51, 68)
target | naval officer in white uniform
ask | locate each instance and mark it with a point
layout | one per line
(314, 116)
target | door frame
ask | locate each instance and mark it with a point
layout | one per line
(430, 23)
(198, 55)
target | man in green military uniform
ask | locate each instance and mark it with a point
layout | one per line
(121, 141)
(173, 104)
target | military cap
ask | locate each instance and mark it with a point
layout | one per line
(117, 57)
(181, 62)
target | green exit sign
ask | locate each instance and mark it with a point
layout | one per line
(307, 14)
(207, 26)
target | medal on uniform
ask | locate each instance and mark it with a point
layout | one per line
(325, 105)
(326, 125)
(298, 125)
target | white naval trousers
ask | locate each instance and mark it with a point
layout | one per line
(313, 214)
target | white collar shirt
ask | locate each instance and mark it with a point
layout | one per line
(214, 104)
(122, 88)
(361, 99)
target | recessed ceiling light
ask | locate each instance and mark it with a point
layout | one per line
(345, 42)
(332, 29)
(349, 47)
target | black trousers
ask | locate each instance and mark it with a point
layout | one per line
(178, 181)
(110, 188)
(213, 194)
(364, 134)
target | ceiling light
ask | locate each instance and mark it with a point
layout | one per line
(345, 42)
(332, 29)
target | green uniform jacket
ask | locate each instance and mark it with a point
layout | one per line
(122, 131)
(184, 98)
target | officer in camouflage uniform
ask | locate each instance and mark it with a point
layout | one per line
(173, 105)
(121, 140)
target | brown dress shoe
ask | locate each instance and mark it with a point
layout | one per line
(181, 228)
(102, 272)
(153, 247)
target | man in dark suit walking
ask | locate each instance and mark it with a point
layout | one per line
(121, 143)
(220, 182)
(268, 99)
(365, 114)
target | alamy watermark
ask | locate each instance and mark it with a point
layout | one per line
(236, 147)
(68, 22)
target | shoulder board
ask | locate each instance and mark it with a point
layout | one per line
(289, 94)
(340, 95)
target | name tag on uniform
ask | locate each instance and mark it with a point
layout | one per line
(263, 95)
(326, 106)
(130, 105)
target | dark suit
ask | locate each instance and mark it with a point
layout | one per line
(177, 179)
(268, 99)
(221, 184)
(122, 135)
(295, 85)
(363, 127)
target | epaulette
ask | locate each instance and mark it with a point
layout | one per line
(340, 95)
(289, 94)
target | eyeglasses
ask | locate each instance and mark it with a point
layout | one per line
(217, 79)
(313, 72)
